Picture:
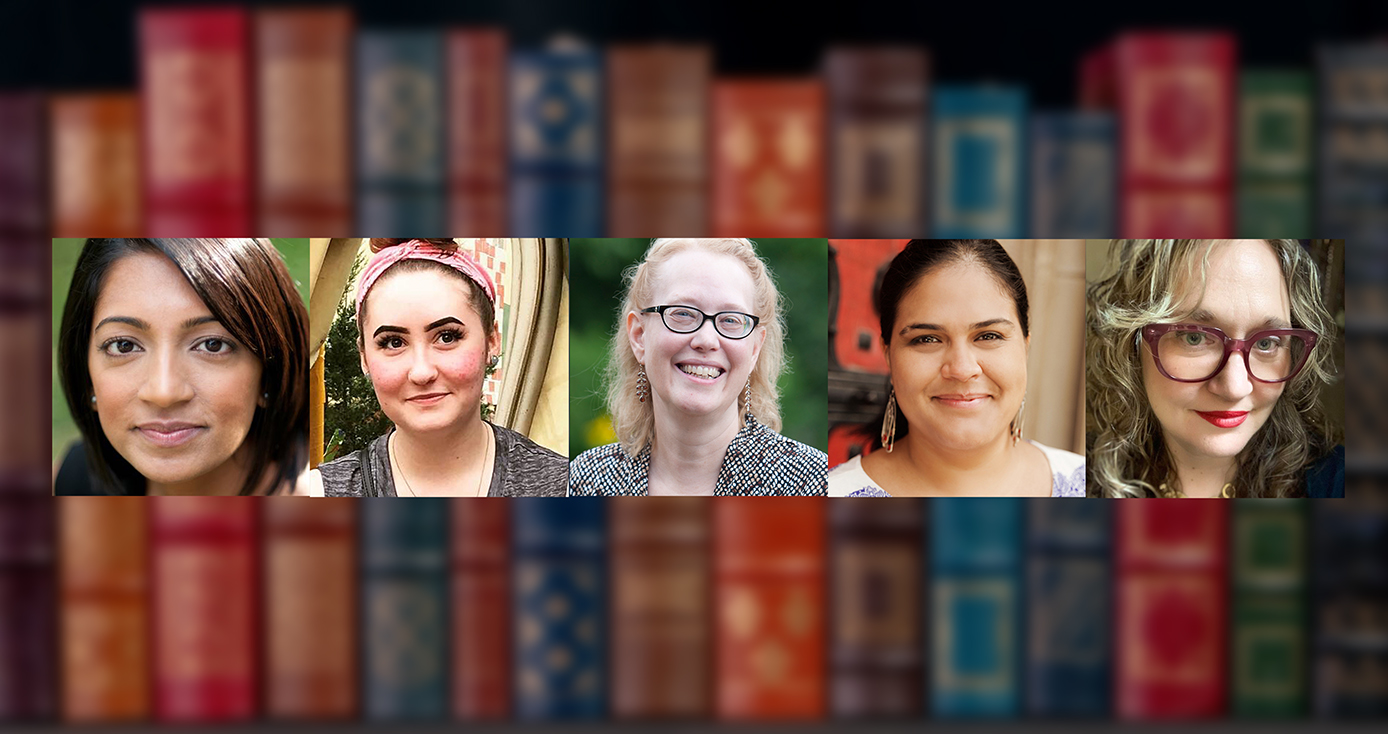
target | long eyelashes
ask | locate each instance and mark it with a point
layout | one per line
(214, 346)
(446, 337)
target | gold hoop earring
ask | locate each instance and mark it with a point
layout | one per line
(889, 421)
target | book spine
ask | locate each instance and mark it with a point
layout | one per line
(661, 607)
(310, 607)
(23, 168)
(404, 607)
(768, 158)
(877, 100)
(1074, 174)
(560, 594)
(1069, 588)
(477, 120)
(400, 137)
(1269, 642)
(304, 177)
(877, 666)
(196, 121)
(975, 594)
(203, 606)
(96, 164)
(769, 601)
(1176, 96)
(556, 143)
(104, 585)
(1171, 626)
(980, 162)
(1351, 128)
(29, 675)
(658, 112)
(481, 566)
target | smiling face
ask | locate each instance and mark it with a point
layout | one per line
(958, 358)
(175, 391)
(702, 373)
(425, 349)
(1245, 292)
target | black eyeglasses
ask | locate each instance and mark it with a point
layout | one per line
(687, 319)
(1193, 353)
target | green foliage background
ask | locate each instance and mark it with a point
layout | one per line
(351, 416)
(65, 252)
(801, 269)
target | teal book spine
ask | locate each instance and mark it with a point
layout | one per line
(1275, 144)
(1268, 659)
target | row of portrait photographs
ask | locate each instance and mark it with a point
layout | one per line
(551, 367)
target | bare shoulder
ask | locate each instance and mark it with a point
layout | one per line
(309, 484)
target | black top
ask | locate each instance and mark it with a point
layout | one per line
(1326, 477)
(523, 468)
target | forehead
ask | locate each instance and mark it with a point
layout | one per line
(710, 280)
(1243, 280)
(126, 290)
(955, 294)
(418, 295)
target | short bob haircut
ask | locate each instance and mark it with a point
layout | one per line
(245, 283)
(922, 257)
(1127, 455)
(632, 420)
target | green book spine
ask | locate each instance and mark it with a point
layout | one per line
(1276, 113)
(1270, 635)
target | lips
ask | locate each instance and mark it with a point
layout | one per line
(708, 372)
(961, 400)
(169, 434)
(1224, 418)
(427, 398)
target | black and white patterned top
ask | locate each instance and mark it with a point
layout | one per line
(759, 462)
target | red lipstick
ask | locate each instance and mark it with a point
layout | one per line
(1224, 418)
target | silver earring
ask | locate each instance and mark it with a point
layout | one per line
(889, 420)
(747, 400)
(265, 396)
(494, 361)
(93, 402)
(642, 386)
(1017, 423)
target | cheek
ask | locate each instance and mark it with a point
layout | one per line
(462, 365)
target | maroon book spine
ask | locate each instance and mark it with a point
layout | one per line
(203, 599)
(477, 104)
(303, 117)
(310, 607)
(28, 614)
(195, 120)
(481, 568)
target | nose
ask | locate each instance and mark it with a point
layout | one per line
(422, 369)
(960, 363)
(705, 337)
(1233, 382)
(165, 385)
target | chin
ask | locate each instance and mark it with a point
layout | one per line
(168, 473)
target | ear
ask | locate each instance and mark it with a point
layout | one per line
(636, 336)
(361, 354)
(757, 345)
(494, 344)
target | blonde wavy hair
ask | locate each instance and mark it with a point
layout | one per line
(1127, 455)
(632, 420)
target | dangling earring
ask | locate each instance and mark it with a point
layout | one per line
(889, 420)
(747, 401)
(1017, 423)
(642, 387)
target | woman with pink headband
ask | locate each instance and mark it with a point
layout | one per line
(427, 335)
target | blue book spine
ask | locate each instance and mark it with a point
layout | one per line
(1074, 175)
(1069, 584)
(560, 587)
(556, 143)
(980, 162)
(404, 608)
(975, 599)
(401, 155)
(1350, 186)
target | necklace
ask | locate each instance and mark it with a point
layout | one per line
(1227, 492)
(481, 472)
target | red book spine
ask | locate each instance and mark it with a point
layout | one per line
(1176, 98)
(203, 585)
(768, 158)
(96, 165)
(302, 64)
(477, 145)
(196, 121)
(1171, 658)
(105, 617)
(481, 561)
(769, 579)
(310, 607)
(1098, 90)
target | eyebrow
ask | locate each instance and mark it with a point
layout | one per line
(936, 327)
(402, 330)
(1271, 322)
(442, 321)
(144, 325)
